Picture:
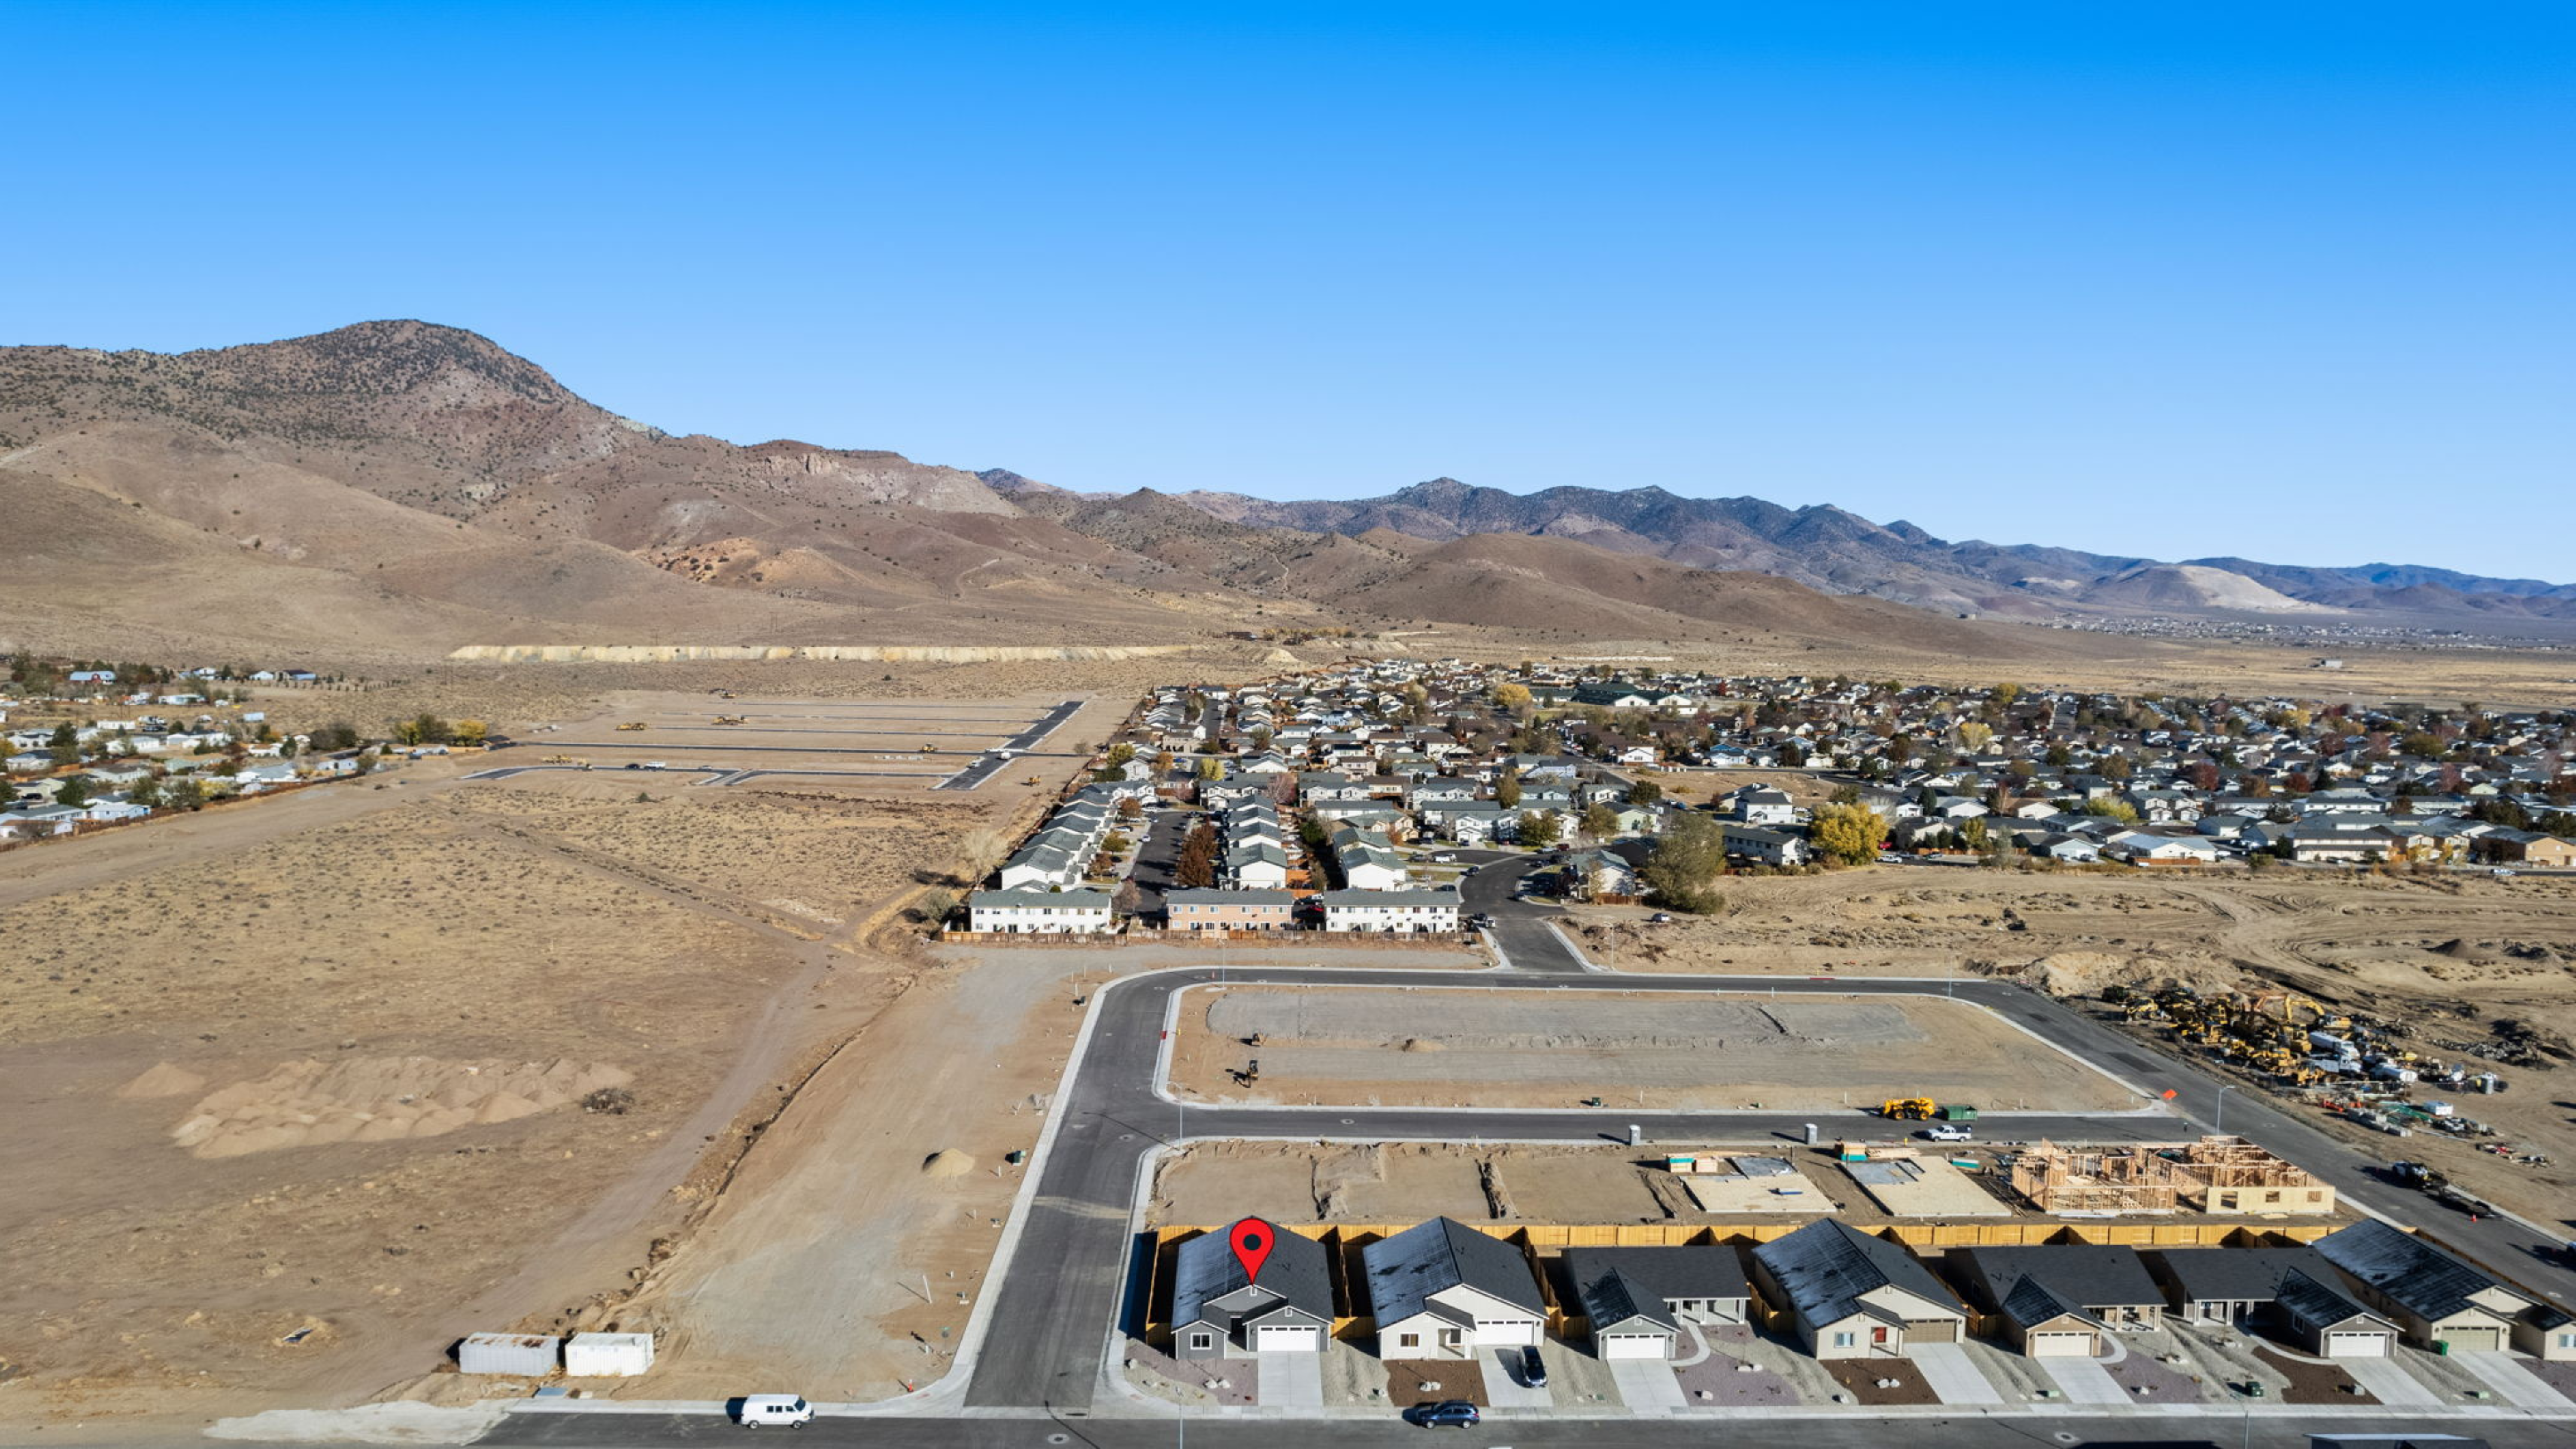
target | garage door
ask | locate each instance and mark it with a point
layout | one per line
(1635, 1345)
(1503, 1333)
(2061, 1345)
(2474, 1340)
(1932, 1330)
(2356, 1345)
(1288, 1340)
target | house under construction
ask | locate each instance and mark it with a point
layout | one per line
(2212, 1175)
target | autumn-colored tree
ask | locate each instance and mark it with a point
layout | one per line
(1600, 821)
(1196, 868)
(1847, 834)
(1539, 828)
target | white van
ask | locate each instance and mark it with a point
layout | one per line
(759, 1410)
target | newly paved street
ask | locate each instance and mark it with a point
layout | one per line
(2271, 1428)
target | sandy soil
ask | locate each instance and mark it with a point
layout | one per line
(1554, 1048)
(2449, 956)
(328, 1063)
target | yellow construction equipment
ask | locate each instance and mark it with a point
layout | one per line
(1909, 1109)
(731, 719)
(632, 724)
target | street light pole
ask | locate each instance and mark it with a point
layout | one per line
(2218, 1122)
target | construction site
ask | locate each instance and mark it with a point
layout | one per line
(2212, 1175)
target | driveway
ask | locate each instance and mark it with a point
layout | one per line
(1952, 1373)
(1647, 1385)
(2390, 1383)
(2083, 1380)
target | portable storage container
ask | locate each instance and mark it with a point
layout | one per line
(529, 1354)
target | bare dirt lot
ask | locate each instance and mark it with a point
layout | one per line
(1367, 1046)
(2458, 959)
(325, 1081)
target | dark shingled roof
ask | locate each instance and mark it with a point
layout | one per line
(2321, 1304)
(2078, 1275)
(1405, 1270)
(2413, 1273)
(1205, 1267)
(1825, 1266)
(1620, 1283)
(2241, 1275)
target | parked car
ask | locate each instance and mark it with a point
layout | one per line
(1482, 921)
(1448, 1414)
(1950, 1132)
(1533, 1368)
(1446, 857)
(760, 1411)
(1660, 918)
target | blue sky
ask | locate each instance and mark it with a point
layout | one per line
(2286, 281)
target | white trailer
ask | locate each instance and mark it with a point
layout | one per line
(526, 1355)
(608, 1355)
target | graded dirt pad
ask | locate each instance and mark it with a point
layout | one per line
(1212, 1183)
(2455, 958)
(1860, 1378)
(1449, 1378)
(388, 1066)
(1487, 1047)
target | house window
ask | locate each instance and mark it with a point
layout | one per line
(1842, 1340)
(2567, 1340)
(1408, 1340)
(1202, 1341)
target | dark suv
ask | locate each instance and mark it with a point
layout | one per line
(1533, 1368)
(1450, 1414)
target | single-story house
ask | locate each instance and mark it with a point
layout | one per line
(1444, 1290)
(2057, 1300)
(1037, 912)
(1217, 1309)
(1246, 910)
(2230, 1285)
(2319, 1317)
(1637, 1299)
(2437, 1300)
(1851, 1295)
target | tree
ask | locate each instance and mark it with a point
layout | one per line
(1120, 753)
(1845, 795)
(339, 734)
(184, 793)
(2117, 767)
(2006, 693)
(1600, 821)
(1511, 696)
(74, 791)
(1539, 828)
(1975, 735)
(472, 731)
(1196, 868)
(64, 736)
(146, 792)
(1847, 834)
(1644, 792)
(1507, 790)
(2111, 807)
(1211, 768)
(1686, 863)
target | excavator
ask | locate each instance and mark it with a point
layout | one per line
(632, 724)
(731, 719)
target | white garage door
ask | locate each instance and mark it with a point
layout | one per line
(2356, 1345)
(2061, 1345)
(1288, 1340)
(1503, 1333)
(1635, 1345)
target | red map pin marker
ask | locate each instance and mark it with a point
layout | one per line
(1251, 1240)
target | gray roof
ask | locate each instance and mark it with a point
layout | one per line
(2238, 1275)
(2319, 1303)
(2081, 1275)
(1440, 896)
(1032, 896)
(1616, 1284)
(2413, 1273)
(2032, 1303)
(1205, 1268)
(1825, 1266)
(1205, 897)
(1405, 1270)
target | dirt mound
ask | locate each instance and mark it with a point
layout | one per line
(378, 1099)
(2460, 950)
(2086, 973)
(163, 1080)
(948, 1162)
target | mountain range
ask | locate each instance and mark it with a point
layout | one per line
(403, 488)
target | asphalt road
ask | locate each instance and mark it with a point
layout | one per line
(1157, 856)
(2273, 1430)
(1049, 1326)
(1520, 928)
